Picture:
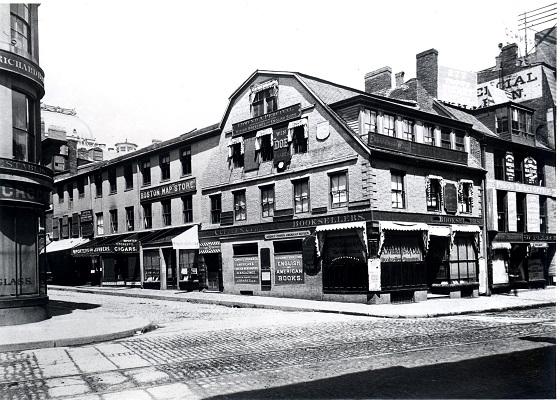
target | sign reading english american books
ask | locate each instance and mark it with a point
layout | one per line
(168, 190)
(266, 120)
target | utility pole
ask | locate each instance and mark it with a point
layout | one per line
(536, 17)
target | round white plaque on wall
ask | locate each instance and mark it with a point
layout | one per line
(323, 130)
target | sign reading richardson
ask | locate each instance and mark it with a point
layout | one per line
(21, 66)
(263, 121)
(121, 247)
(168, 190)
(288, 269)
(26, 192)
(246, 270)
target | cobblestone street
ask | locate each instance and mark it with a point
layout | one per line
(201, 351)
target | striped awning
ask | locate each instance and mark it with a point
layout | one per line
(321, 229)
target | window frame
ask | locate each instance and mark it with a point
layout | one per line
(99, 224)
(428, 136)
(264, 101)
(215, 213)
(239, 210)
(434, 201)
(337, 175)
(112, 178)
(369, 115)
(187, 200)
(295, 184)
(147, 217)
(396, 193)
(465, 202)
(81, 186)
(129, 212)
(23, 150)
(445, 142)
(114, 220)
(186, 161)
(128, 172)
(521, 211)
(267, 201)
(389, 125)
(15, 16)
(166, 212)
(237, 157)
(543, 214)
(146, 172)
(299, 141)
(266, 152)
(502, 204)
(165, 167)
(98, 182)
(408, 135)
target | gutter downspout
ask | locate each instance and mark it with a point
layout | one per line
(484, 224)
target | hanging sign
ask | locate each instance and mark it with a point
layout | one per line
(281, 150)
(246, 270)
(530, 169)
(510, 167)
(288, 269)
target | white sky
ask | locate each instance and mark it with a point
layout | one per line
(143, 70)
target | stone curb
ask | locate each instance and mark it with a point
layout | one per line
(241, 304)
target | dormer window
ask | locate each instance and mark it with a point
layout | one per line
(521, 121)
(264, 98)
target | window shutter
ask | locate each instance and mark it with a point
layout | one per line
(251, 157)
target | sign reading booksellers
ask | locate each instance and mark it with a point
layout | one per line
(246, 270)
(288, 269)
(168, 190)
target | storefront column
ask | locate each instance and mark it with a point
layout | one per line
(177, 267)
(141, 267)
(162, 270)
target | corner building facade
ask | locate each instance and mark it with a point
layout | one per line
(24, 183)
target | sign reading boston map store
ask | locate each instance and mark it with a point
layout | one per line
(168, 190)
(263, 121)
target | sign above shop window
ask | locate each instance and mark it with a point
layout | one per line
(168, 190)
(263, 121)
(122, 247)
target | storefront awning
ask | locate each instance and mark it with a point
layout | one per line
(64, 244)
(439, 230)
(501, 246)
(108, 245)
(188, 240)
(385, 226)
(321, 229)
(162, 237)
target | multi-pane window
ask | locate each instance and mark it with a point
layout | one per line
(129, 218)
(521, 211)
(389, 125)
(462, 259)
(265, 101)
(81, 184)
(301, 196)
(237, 155)
(186, 166)
(164, 166)
(397, 190)
(114, 219)
(147, 210)
(166, 212)
(499, 165)
(502, 209)
(465, 195)
(239, 206)
(445, 138)
(216, 208)
(267, 201)
(429, 135)
(339, 190)
(459, 141)
(502, 120)
(370, 121)
(145, 168)
(99, 223)
(23, 139)
(408, 129)
(128, 176)
(112, 180)
(20, 26)
(299, 140)
(187, 208)
(60, 192)
(98, 180)
(266, 147)
(521, 121)
(433, 194)
(542, 214)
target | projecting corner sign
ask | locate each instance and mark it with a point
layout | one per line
(21, 66)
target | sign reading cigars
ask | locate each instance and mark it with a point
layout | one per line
(122, 247)
(263, 121)
(168, 190)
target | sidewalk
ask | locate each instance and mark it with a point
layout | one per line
(70, 327)
(433, 307)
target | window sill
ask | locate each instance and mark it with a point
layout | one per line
(186, 175)
(165, 180)
(112, 193)
(98, 196)
(146, 184)
(81, 196)
(128, 189)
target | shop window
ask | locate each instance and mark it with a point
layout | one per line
(239, 206)
(521, 204)
(112, 180)
(370, 121)
(499, 165)
(542, 214)
(129, 218)
(434, 194)
(429, 135)
(166, 212)
(463, 259)
(237, 156)
(146, 172)
(465, 195)
(187, 264)
(186, 166)
(502, 209)
(397, 189)
(264, 101)
(446, 138)
(246, 249)
(99, 223)
(288, 246)
(459, 141)
(98, 180)
(267, 201)
(216, 208)
(147, 211)
(408, 130)
(299, 140)
(301, 196)
(128, 177)
(164, 166)
(339, 190)
(265, 149)
(389, 125)
(151, 266)
(114, 220)
(81, 185)
(20, 27)
(502, 120)
(23, 140)
(187, 208)
(60, 193)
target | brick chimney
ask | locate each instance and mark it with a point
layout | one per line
(378, 80)
(72, 156)
(507, 57)
(399, 79)
(427, 78)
